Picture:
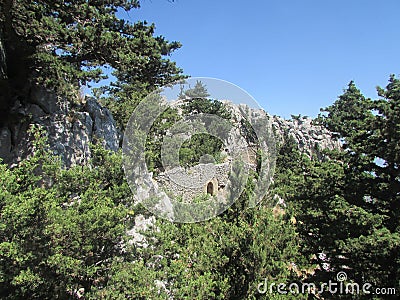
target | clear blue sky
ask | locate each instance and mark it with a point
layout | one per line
(292, 56)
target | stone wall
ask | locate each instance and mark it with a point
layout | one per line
(192, 182)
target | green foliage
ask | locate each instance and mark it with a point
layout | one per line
(197, 101)
(191, 151)
(206, 106)
(63, 234)
(199, 145)
(227, 256)
(198, 91)
(154, 139)
(60, 229)
(67, 44)
(72, 40)
(370, 132)
(347, 207)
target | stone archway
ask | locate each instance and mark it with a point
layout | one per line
(210, 188)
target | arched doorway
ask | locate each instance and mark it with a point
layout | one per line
(210, 188)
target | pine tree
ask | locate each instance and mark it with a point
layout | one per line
(61, 230)
(64, 45)
(198, 91)
(346, 207)
(370, 132)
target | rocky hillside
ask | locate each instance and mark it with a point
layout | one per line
(72, 128)
(310, 138)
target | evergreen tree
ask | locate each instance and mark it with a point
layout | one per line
(63, 235)
(346, 207)
(198, 91)
(370, 133)
(67, 44)
(228, 256)
(61, 230)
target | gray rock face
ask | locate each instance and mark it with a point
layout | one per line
(141, 224)
(103, 124)
(70, 130)
(310, 138)
(189, 183)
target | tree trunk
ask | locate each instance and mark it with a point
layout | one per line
(14, 64)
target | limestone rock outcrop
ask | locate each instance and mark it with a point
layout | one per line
(310, 138)
(70, 128)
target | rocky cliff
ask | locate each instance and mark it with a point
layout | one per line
(72, 128)
(310, 138)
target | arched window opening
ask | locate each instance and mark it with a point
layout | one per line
(210, 188)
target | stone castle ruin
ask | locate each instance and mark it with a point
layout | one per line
(203, 179)
(71, 130)
(211, 179)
